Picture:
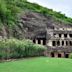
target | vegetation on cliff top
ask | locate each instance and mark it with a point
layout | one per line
(9, 10)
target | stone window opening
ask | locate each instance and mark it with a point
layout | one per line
(58, 43)
(70, 43)
(53, 43)
(60, 35)
(65, 35)
(70, 35)
(62, 43)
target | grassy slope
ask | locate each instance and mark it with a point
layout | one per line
(38, 65)
(9, 11)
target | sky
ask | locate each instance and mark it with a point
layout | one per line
(63, 6)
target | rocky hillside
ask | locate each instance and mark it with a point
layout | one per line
(21, 19)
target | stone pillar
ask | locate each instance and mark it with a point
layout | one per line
(60, 43)
(56, 43)
(64, 43)
(36, 41)
(62, 55)
(57, 35)
(41, 41)
(68, 36)
(49, 43)
(62, 36)
(56, 55)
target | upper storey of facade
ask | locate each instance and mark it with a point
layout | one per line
(60, 37)
(60, 33)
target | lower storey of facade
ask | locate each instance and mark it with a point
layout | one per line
(59, 52)
(58, 55)
(56, 48)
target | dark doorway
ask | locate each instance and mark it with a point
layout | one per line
(34, 41)
(58, 43)
(66, 55)
(52, 54)
(70, 43)
(65, 35)
(59, 55)
(66, 43)
(70, 35)
(44, 41)
(62, 43)
(60, 35)
(39, 41)
(53, 43)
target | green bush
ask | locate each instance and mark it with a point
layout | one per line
(14, 48)
(70, 55)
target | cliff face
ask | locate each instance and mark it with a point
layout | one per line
(30, 24)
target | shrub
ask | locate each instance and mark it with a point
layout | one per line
(14, 48)
(70, 55)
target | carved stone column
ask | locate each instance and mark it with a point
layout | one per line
(64, 43)
(60, 42)
(68, 36)
(36, 41)
(41, 41)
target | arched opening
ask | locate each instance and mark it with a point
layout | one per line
(58, 43)
(70, 35)
(34, 41)
(70, 43)
(62, 43)
(66, 43)
(59, 55)
(44, 41)
(39, 41)
(65, 35)
(60, 35)
(53, 43)
(52, 54)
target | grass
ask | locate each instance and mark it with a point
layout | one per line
(42, 64)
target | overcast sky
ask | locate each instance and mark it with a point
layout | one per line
(64, 6)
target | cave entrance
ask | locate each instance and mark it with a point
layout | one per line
(34, 41)
(70, 35)
(65, 35)
(59, 55)
(62, 43)
(39, 41)
(58, 43)
(70, 43)
(66, 55)
(44, 41)
(60, 35)
(53, 43)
